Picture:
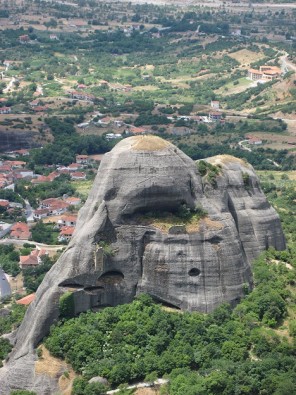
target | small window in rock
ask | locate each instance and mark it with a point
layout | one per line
(194, 272)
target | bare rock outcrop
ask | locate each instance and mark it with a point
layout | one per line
(116, 254)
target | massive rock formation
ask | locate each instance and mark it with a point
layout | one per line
(115, 254)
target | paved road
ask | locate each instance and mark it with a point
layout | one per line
(242, 146)
(286, 64)
(41, 245)
(29, 212)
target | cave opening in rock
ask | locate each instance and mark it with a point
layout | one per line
(165, 303)
(111, 277)
(71, 285)
(194, 272)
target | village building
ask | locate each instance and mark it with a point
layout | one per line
(215, 104)
(78, 175)
(72, 200)
(215, 116)
(5, 110)
(265, 73)
(23, 173)
(136, 130)
(3, 182)
(73, 167)
(253, 140)
(97, 158)
(67, 220)
(17, 153)
(82, 96)
(40, 108)
(15, 164)
(112, 136)
(5, 169)
(34, 103)
(54, 205)
(82, 159)
(106, 121)
(20, 231)
(24, 38)
(26, 300)
(41, 213)
(254, 74)
(4, 204)
(66, 233)
(41, 179)
(32, 260)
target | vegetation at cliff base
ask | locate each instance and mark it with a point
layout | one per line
(249, 349)
(246, 350)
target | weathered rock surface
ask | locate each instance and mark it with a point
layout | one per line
(112, 257)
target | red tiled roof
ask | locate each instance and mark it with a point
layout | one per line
(22, 151)
(255, 71)
(69, 218)
(28, 260)
(49, 201)
(14, 163)
(41, 211)
(5, 168)
(40, 180)
(4, 203)
(26, 300)
(20, 226)
(67, 231)
(78, 174)
(137, 130)
(72, 200)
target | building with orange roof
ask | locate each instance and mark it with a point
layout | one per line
(5, 110)
(266, 72)
(4, 203)
(73, 201)
(66, 233)
(136, 130)
(32, 260)
(82, 159)
(15, 164)
(67, 220)
(73, 167)
(20, 231)
(78, 175)
(55, 206)
(26, 300)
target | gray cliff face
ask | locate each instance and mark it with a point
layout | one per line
(112, 256)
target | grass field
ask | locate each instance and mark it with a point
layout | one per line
(246, 57)
(82, 187)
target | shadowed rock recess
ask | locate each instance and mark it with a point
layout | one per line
(120, 247)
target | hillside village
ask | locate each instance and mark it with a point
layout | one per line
(214, 78)
(18, 218)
